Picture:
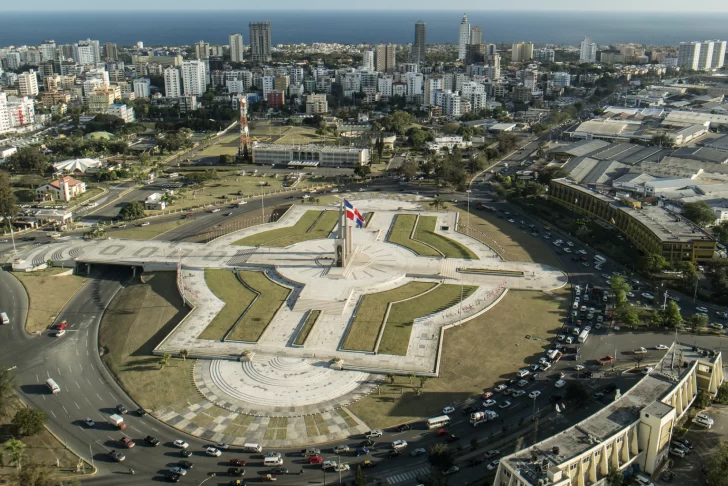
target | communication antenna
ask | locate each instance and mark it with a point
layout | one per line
(244, 147)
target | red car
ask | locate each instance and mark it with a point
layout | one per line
(62, 325)
(487, 395)
(127, 442)
(315, 459)
(442, 432)
(237, 462)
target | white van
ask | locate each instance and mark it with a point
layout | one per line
(273, 461)
(251, 447)
(600, 259)
(53, 386)
(642, 480)
(4, 318)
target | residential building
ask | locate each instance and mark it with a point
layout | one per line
(521, 51)
(111, 52)
(688, 55)
(122, 111)
(202, 50)
(561, 79)
(544, 55)
(414, 83)
(450, 142)
(87, 52)
(5, 125)
(522, 94)
(268, 83)
(463, 38)
(63, 189)
(13, 60)
(475, 94)
(418, 48)
(491, 49)
(316, 104)
(652, 229)
(368, 60)
(476, 36)
(28, 83)
(384, 86)
(154, 202)
(194, 79)
(141, 87)
(53, 98)
(48, 50)
(702, 56)
(432, 86)
(236, 47)
(172, 84)
(705, 58)
(100, 101)
(281, 83)
(719, 51)
(260, 42)
(385, 58)
(310, 155)
(399, 88)
(588, 51)
(21, 111)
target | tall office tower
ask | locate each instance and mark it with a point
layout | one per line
(718, 54)
(521, 51)
(260, 42)
(385, 58)
(476, 36)
(491, 49)
(172, 85)
(368, 60)
(236, 47)
(48, 50)
(4, 114)
(111, 52)
(688, 55)
(202, 50)
(588, 51)
(28, 83)
(194, 77)
(418, 49)
(464, 38)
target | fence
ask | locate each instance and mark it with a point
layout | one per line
(481, 237)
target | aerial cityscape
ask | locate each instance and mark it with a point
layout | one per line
(370, 248)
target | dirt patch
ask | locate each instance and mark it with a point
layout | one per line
(48, 294)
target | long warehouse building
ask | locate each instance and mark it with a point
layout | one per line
(310, 155)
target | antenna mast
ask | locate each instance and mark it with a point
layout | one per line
(244, 147)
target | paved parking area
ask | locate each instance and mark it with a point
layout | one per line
(688, 469)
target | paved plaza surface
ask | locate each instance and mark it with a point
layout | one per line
(277, 379)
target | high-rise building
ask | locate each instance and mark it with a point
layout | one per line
(561, 79)
(28, 83)
(48, 50)
(701, 56)
(88, 51)
(202, 50)
(491, 49)
(368, 60)
(463, 38)
(141, 87)
(4, 114)
(111, 52)
(476, 36)
(385, 58)
(588, 52)
(718, 54)
(236, 47)
(260, 42)
(418, 49)
(521, 51)
(172, 85)
(705, 58)
(544, 55)
(688, 55)
(194, 79)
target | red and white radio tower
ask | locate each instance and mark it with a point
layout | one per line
(244, 148)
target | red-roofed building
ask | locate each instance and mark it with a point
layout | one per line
(64, 188)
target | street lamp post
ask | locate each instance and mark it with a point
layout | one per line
(212, 475)
(468, 191)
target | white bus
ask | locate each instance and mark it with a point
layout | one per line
(583, 336)
(53, 386)
(440, 421)
(600, 259)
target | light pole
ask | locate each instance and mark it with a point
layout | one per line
(468, 191)
(664, 302)
(212, 475)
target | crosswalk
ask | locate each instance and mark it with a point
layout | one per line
(409, 475)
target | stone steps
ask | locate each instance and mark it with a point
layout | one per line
(329, 306)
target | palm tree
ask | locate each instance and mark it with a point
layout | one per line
(438, 203)
(410, 375)
(16, 451)
(184, 353)
(164, 361)
(423, 380)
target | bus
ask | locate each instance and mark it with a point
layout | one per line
(53, 386)
(583, 336)
(600, 259)
(440, 421)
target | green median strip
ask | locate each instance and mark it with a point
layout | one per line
(400, 234)
(312, 225)
(425, 233)
(261, 312)
(311, 319)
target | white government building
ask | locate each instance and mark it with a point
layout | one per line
(310, 155)
(631, 434)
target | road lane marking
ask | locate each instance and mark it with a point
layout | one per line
(64, 409)
(89, 382)
(92, 367)
(80, 367)
(112, 396)
(136, 429)
(77, 405)
(154, 429)
(70, 369)
(59, 372)
(54, 415)
(99, 397)
(79, 386)
(37, 380)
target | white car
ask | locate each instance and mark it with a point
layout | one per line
(374, 433)
(570, 340)
(703, 421)
(629, 294)
(570, 243)
(340, 449)
(561, 337)
(489, 403)
(518, 393)
(560, 384)
(505, 404)
(399, 444)
(222, 446)
(648, 296)
(523, 372)
(178, 470)
(534, 394)
(677, 452)
(581, 252)
(216, 210)
(181, 444)
(661, 347)
(579, 367)
(211, 451)
(447, 410)
(702, 309)
(145, 224)
(647, 370)
(523, 383)
(60, 333)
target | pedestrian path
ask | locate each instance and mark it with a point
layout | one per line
(408, 476)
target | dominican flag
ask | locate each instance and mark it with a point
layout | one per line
(353, 214)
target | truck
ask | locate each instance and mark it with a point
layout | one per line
(554, 355)
(606, 360)
(478, 418)
(117, 421)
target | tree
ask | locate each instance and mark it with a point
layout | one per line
(184, 354)
(360, 479)
(698, 323)
(398, 122)
(411, 376)
(688, 272)
(662, 140)
(699, 213)
(28, 421)
(441, 455)
(638, 358)
(722, 395)
(41, 475)
(438, 203)
(673, 317)
(362, 171)
(718, 466)
(28, 159)
(164, 360)
(418, 138)
(8, 208)
(227, 159)
(615, 477)
(620, 287)
(423, 380)
(7, 392)
(506, 142)
(16, 450)
(133, 210)
(720, 231)
(702, 401)
(577, 392)
(656, 318)
(652, 262)
(408, 169)
(390, 377)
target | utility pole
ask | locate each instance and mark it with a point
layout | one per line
(468, 191)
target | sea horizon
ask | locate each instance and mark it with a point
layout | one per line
(164, 28)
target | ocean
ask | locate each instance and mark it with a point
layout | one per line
(157, 28)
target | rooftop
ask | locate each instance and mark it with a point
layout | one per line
(308, 147)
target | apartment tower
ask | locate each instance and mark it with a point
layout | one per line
(418, 49)
(236, 47)
(464, 38)
(260, 43)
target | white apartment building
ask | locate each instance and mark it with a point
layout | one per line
(48, 50)
(449, 102)
(530, 78)
(399, 88)
(385, 86)
(86, 52)
(194, 79)
(463, 38)
(475, 94)
(414, 83)
(544, 55)
(521, 51)
(172, 84)
(141, 87)
(268, 85)
(701, 56)
(5, 125)
(21, 111)
(13, 60)
(28, 83)
(719, 51)
(122, 111)
(432, 87)
(588, 51)
(235, 86)
(688, 55)
(561, 79)
(368, 60)
(296, 74)
(316, 104)
(236, 47)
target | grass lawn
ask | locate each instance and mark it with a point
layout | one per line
(307, 326)
(139, 317)
(369, 318)
(48, 293)
(148, 232)
(476, 356)
(225, 285)
(398, 327)
(312, 225)
(261, 312)
(297, 135)
(400, 235)
(425, 232)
